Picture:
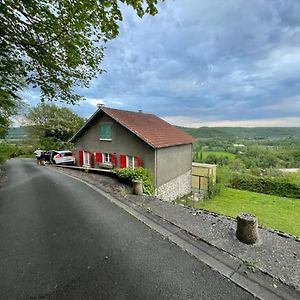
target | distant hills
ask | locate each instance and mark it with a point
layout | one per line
(16, 133)
(244, 132)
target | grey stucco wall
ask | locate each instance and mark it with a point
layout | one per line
(123, 142)
(172, 162)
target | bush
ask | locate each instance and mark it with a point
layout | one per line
(279, 186)
(49, 143)
(10, 151)
(213, 190)
(138, 174)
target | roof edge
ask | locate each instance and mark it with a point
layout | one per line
(84, 125)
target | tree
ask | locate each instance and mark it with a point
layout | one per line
(50, 122)
(58, 44)
(9, 106)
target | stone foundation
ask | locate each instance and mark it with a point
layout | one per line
(175, 188)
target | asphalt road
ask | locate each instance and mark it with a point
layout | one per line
(59, 239)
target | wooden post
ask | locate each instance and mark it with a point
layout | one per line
(137, 187)
(247, 228)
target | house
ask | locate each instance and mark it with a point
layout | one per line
(118, 138)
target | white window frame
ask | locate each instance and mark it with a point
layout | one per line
(134, 163)
(108, 161)
(86, 158)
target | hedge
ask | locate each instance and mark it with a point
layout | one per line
(138, 173)
(279, 186)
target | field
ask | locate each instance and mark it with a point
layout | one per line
(218, 154)
(272, 212)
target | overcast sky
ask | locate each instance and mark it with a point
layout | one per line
(205, 63)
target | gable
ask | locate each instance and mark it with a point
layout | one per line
(150, 128)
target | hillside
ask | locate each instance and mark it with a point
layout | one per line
(16, 133)
(244, 132)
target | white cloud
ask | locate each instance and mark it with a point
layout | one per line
(94, 101)
(197, 122)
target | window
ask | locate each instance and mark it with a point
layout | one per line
(86, 158)
(131, 162)
(105, 132)
(106, 158)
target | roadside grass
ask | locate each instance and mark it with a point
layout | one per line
(8, 151)
(272, 211)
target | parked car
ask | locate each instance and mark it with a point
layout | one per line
(62, 157)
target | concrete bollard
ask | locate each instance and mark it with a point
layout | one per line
(247, 228)
(137, 187)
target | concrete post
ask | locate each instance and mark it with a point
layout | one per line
(137, 187)
(247, 228)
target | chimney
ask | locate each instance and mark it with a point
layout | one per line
(99, 105)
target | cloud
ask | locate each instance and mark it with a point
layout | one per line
(196, 123)
(216, 61)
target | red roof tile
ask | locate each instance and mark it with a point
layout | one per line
(153, 130)
(150, 128)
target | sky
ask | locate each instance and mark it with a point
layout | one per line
(204, 63)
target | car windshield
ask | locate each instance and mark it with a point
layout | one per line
(67, 154)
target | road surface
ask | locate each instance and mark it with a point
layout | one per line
(59, 239)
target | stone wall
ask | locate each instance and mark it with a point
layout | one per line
(175, 188)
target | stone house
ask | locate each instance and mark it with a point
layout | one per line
(118, 138)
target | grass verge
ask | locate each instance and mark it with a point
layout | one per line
(272, 211)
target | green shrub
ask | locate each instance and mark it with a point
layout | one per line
(49, 143)
(138, 174)
(10, 151)
(213, 190)
(279, 186)
(294, 177)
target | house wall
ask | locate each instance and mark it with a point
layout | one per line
(123, 142)
(173, 171)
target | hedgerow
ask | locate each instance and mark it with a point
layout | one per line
(279, 186)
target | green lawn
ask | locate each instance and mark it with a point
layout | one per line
(218, 154)
(273, 212)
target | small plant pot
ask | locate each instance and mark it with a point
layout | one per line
(137, 187)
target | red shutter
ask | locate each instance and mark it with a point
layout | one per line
(99, 157)
(122, 161)
(80, 157)
(91, 159)
(139, 161)
(113, 159)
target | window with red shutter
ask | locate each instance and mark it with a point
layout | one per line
(91, 159)
(113, 159)
(98, 157)
(80, 157)
(122, 161)
(139, 161)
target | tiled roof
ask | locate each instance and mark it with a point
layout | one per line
(153, 130)
(150, 128)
